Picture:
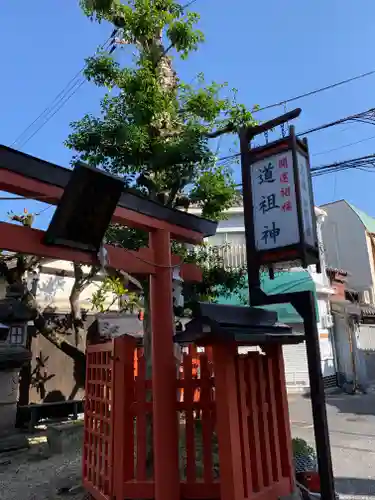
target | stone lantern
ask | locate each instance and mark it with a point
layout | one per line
(14, 317)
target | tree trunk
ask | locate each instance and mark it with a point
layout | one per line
(75, 310)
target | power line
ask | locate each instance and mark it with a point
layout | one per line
(62, 98)
(57, 97)
(364, 163)
(367, 117)
(316, 91)
(57, 103)
(56, 110)
(344, 146)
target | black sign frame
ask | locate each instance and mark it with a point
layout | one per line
(302, 251)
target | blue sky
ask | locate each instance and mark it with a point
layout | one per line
(269, 51)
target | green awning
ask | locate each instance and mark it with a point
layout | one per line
(286, 281)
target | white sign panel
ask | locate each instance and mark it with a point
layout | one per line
(274, 202)
(307, 215)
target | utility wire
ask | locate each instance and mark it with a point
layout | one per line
(316, 91)
(57, 103)
(367, 117)
(62, 98)
(46, 110)
(344, 146)
(54, 112)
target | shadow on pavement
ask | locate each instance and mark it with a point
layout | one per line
(354, 486)
(357, 404)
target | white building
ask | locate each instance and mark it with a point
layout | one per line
(231, 233)
(349, 240)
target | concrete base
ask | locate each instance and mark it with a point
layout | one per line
(8, 399)
(13, 442)
(296, 495)
(65, 436)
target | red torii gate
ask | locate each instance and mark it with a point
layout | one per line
(33, 178)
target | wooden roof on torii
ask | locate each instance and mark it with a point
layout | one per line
(28, 176)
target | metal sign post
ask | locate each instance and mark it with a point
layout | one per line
(280, 227)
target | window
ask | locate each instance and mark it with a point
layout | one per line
(16, 336)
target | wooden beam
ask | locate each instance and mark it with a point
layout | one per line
(25, 240)
(19, 184)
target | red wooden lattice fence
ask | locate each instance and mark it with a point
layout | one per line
(116, 458)
(98, 431)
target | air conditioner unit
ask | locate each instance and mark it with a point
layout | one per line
(366, 297)
(327, 321)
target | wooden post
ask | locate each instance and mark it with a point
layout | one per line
(123, 426)
(165, 424)
(227, 422)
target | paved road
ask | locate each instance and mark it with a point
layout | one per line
(352, 433)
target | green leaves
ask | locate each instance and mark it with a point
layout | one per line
(217, 279)
(112, 290)
(102, 70)
(204, 102)
(154, 130)
(214, 191)
(184, 38)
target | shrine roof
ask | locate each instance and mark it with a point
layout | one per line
(47, 173)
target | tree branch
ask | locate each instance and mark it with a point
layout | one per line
(217, 133)
(49, 332)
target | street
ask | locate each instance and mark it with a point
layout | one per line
(352, 433)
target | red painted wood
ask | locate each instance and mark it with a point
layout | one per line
(188, 396)
(263, 422)
(31, 188)
(98, 430)
(227, 422)
(246, 451)
(197, 491)
(21, 239)
(285, 438)
(126, 391)
(253, 422)
(240, 426)
(271, 398)
(141, 420)
(207, 418)
(91, 489)
(164, 383)
(119, 432)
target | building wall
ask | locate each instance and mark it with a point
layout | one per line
(232, 221)
(54, 375)
(346, 245)
(53, 290)
(371, 252)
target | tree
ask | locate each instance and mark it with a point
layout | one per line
(155, 131)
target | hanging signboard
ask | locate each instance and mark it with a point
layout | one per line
(282, 220)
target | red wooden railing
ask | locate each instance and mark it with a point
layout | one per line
(118, 416)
